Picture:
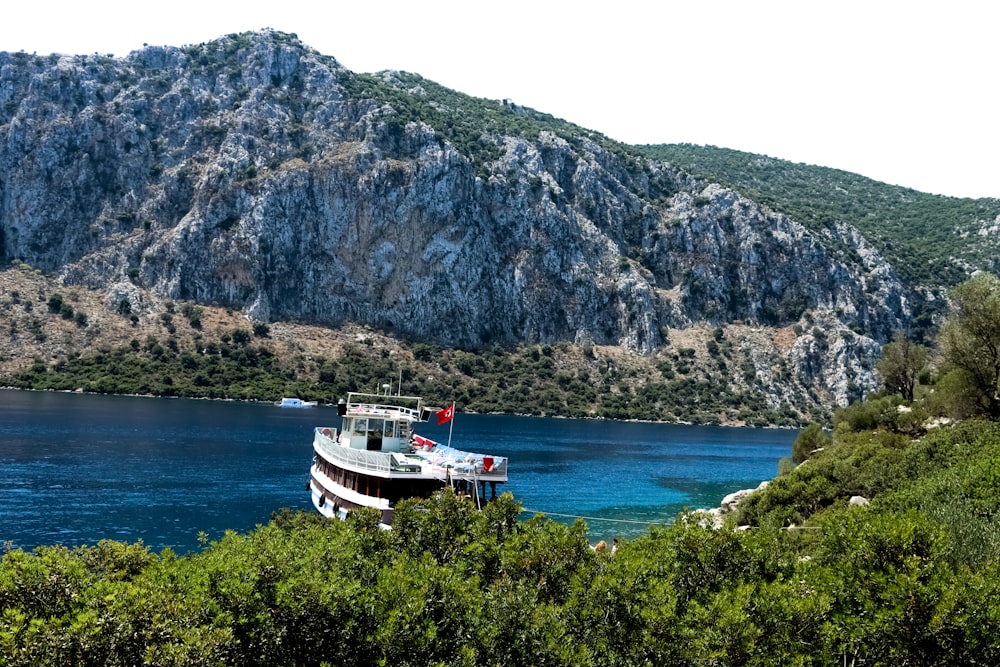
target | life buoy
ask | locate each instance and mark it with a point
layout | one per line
(327, 432)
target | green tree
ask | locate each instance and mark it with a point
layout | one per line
(810, 439)
(971, 339)
(55, 303)
(193, 314)
(901, 363)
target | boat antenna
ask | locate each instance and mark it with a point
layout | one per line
(399, 386)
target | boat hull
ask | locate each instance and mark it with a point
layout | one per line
(334, 500)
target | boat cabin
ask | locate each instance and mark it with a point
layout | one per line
(375, 433)
(375, 425)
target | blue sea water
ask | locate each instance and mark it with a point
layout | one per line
(76, 468)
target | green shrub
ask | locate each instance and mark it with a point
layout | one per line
(810, 439)
(55, 303)
(868, 415)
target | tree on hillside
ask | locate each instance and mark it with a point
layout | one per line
(900, 365)
(971, 340)
(810, 439)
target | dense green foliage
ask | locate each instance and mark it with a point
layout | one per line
(810, 439)
(562, 379)
(901, 364)
(972, 341)
(524, 380)
(929, 239)
(230, 368)
(548, 380)
(912, 579)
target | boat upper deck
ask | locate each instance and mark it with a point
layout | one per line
(384, 411)
(385, 406)
(431, 460)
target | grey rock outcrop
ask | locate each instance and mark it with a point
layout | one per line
(715, 517)
(254, 173)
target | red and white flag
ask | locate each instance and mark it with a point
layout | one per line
(445, 416)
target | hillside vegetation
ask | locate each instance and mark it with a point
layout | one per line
(71, 339)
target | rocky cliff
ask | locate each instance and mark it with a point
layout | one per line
(254, 173)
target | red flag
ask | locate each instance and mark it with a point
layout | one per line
(444, 416)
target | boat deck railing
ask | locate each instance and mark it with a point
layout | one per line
(444, 462)
(356, 458)
(383, 409)
(359, 459)
(406, 406)
(465, 465)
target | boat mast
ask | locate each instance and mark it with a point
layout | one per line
(451, 422)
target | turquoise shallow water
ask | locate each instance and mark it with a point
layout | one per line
(78, 468)
(618, 472)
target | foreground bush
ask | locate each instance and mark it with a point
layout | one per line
(452, 586)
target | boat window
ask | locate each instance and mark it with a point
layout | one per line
(360, 426)
(348, 423)
(390, 429)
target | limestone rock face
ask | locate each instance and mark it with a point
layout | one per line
(250, 172)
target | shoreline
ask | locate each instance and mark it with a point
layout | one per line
(468, 412)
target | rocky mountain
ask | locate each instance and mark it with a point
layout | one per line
(932, 240)
(256, 174)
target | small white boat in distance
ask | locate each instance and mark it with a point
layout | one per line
(295, 403)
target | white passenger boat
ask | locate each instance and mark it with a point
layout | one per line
(376, 459)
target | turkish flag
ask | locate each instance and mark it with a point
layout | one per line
(444, 416)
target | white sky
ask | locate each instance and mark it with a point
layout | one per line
(903, 92)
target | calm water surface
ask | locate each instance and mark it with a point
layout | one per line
(77, 468)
